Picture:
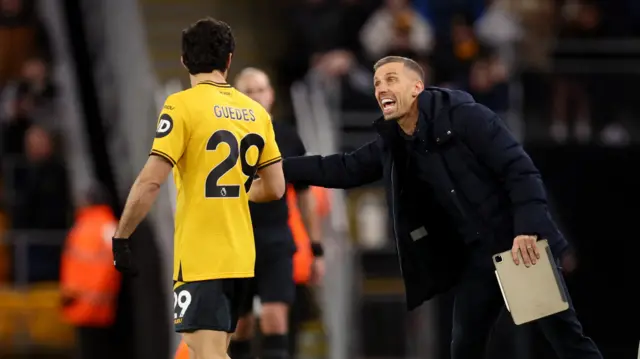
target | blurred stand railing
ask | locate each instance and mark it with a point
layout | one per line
(31, 323)
(68, 112)
(319, 133)
(590, 79)
(126, 93)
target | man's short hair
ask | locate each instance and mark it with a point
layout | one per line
(206, 46)
(248, 71)
(407, 62)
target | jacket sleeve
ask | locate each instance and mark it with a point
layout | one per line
(494, 145)
(347, 170)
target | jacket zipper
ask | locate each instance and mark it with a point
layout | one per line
(393, 215)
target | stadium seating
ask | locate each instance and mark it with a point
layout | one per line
(33, 317)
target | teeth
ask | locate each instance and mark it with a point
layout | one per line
(386, 101)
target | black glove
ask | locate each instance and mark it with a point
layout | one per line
(122, 256)
(317, 249)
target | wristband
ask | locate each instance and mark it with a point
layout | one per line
(317, 249)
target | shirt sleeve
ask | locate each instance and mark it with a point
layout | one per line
(300, 150)
(172, 133)
(271, 153)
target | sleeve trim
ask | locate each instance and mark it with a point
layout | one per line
(270, 162)
(163, 155)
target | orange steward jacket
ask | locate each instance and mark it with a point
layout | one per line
(89, 281)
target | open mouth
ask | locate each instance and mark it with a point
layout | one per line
(388, 105)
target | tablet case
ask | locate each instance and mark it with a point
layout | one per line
(531, 293)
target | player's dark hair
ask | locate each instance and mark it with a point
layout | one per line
(407, 62)
(206, 46)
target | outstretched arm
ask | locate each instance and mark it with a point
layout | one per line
(347, 170)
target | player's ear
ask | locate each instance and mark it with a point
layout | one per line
(229, 61)
(182, 62)
(226, 72)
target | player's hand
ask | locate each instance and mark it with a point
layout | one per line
(317, 271)
(526, 246)
(122, 256)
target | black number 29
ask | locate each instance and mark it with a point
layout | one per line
(236, 151)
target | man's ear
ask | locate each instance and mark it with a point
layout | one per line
(418, 88)
(182, 62)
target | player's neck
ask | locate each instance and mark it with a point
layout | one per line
(216, 76)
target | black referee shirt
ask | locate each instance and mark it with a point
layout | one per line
(276, 213)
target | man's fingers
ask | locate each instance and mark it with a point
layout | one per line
(532, 255)
(532, 249)
(514, 254)
(525, 256)
(536, 251)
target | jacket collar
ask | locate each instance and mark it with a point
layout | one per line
(433, 105)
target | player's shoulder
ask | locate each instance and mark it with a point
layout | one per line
(176, 102)
(185, 96)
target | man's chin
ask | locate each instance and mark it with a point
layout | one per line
(391, 117)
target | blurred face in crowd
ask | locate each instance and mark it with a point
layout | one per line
(35, 71)
(38, 144)
(21, 106)
(255, 84)
(480, 77)
(10, 6)
(396, 89)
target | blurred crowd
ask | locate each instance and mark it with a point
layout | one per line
(506, 53)
(481, 46)
(34, 195)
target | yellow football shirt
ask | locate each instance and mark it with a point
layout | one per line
(216, 138)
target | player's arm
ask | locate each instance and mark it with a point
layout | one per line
(307, 203)
(270, 185)
(168, 146)
(142, 195)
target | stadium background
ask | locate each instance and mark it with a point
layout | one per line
(89, 76)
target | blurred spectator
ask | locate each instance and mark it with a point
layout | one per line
(537, 38)
(439, 13)
(499, 28)
(42, 203)
(488, 83)
(42, 192)
(17, 121)
(35, 73)
(579, 19)
(453, 57)
(21, 36)
(89, 282)
(396, 29)
(34, 81)
(324, 36)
